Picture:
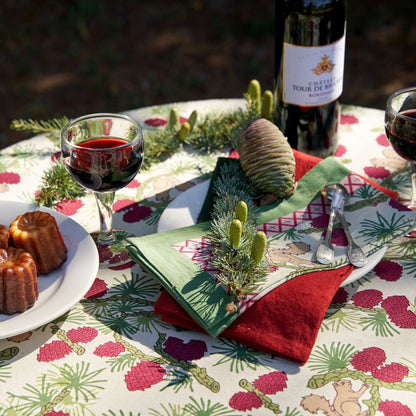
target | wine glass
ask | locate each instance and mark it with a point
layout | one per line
(103, 153)
(400, 125)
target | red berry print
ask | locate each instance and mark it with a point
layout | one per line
(82, 335)
(367, 298)
(144, 375)
(245, 400)
(368, 359)
(193, 350)
(133, 184)
(132, 211)
(393, 408)
(382, 140)
(271, 383)
(397, 205)
(109, 349)
(348, 119)
(56, 156)
(98, 289)
(390, 373)
(69, 207)
(10, 178)
(341, 296)
(233, 154)
(54, 413)
(376, 172)
(155, 122)
(388, 270)
(397, 309)
(341, 150)
(53, 351)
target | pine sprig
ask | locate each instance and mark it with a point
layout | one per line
(237, 269)
(57, 185)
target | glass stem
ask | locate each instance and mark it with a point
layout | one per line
(105, 202)
(413, 195)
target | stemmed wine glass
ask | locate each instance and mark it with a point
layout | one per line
(400, 125)
(103, 153)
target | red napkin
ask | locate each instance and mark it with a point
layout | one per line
(286, 321)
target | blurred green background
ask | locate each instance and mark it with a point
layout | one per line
(72, 57)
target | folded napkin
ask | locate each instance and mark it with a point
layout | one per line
(285, 321)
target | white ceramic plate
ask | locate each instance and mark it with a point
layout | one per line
(60, 289)
(184, 211)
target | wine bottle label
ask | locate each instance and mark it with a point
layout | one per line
(313, 76)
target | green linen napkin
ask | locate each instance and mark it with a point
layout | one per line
(197, 292)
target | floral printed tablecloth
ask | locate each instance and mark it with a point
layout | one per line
(109, 355)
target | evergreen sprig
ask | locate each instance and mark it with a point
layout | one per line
(57, 185)
(238, 270)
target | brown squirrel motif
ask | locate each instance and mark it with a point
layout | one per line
(345, 402)
(290, 254)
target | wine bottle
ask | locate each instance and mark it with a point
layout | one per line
(309, 71)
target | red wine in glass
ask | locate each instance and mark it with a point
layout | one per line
(104, 164)
(103, 153)
(403, 140)
(400, 126)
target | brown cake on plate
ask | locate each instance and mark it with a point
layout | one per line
(18, 280)
(4, 236)
(37, 232)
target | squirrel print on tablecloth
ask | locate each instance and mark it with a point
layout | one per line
(345, 403)
(290, 254)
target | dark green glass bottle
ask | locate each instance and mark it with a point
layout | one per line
(309, 68)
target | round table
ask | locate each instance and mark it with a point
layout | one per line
(110, 355)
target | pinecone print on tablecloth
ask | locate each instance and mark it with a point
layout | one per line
(53, 351)
(390, 373)
(388, 270)
(367, 298)
(144, 375)
(82, 335)
(245, 400)
(109, 349)
(368, 359)
(98, 289)
(193, 350)
(271, 383)
(397, 309)
(393, 408)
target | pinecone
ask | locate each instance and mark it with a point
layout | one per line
(97, 290)
(83, 334)
(393, 408)
(109, 349)
(245, 400)
(368, 359)
(271, 383)
(193, 350)
(388, 270)
(367, 298)
(390, 373)
(144, 375)
(53, 351)
(396, 307)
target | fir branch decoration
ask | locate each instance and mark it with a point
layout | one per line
(214, 132)
(51, 127)
(57, 185)
(237, 248)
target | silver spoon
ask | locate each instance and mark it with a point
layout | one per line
(325, 251)
(336, 192)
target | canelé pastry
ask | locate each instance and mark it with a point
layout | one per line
(37, 232)
(4, 236)
(18, 280)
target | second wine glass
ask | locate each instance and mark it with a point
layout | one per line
(103, 153)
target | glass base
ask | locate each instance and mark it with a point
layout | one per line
(112, 253)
